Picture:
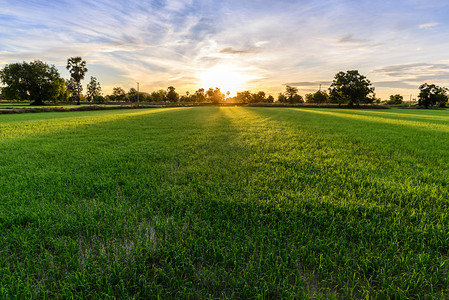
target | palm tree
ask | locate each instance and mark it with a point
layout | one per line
(77, 68)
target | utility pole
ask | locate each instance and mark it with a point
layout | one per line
(137, 94)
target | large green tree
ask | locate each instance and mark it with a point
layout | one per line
(77, 68)
(36, 81)
(350, 88)
(431, 94)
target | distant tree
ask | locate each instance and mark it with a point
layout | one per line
(158, 96)
(172, 95)
(199, 96)
(395, 99)
(291, 93)
(93, 90)
(317, 97)
(72, 89)
(259, 97)
(132, 95)
(297, 99)
(431, 94)
(309, 98)
(270, 99)
(215, 95)
(118, 93)
(77, 68)
(351, 88)
(185, 98)
(243, 97)
(282, 98)
(35, 81)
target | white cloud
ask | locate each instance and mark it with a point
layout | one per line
(428, 25)
(276, 41)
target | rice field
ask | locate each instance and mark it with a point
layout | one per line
(225, 202)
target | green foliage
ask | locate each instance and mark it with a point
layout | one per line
(158, 96)
(231, 202)
(172, 95)
(395, 99)
(132, 95)
(259, 97)
(350, 88)
(215, 95)
(292, 95)
(290, 92)
(199, 96)
(431, 94)
(243, 97)
(72, 87)
(185, 98)
(36, 81)
(317, 97)
(77, 68)
(282, 98)
(118, 94)
(248, 97)
(62, 93)
(94, 90)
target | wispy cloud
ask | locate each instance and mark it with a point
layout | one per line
(411, 76)
(310, 83)
(415, 70)
(230, 50)
(168, 42)
(428, 25)
(395, 84)
(350, 40)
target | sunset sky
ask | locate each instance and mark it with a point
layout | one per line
(235, 45)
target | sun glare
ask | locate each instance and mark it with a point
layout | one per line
(224, 77)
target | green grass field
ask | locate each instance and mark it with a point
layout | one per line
(230, 202)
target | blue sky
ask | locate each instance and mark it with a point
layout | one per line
(255, 44)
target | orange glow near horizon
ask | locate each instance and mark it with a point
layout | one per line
(226, 78)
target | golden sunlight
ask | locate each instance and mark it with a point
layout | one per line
(226, 78)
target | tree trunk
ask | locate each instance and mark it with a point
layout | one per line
(79, 93)
(37, 103)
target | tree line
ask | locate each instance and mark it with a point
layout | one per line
(38, 82)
